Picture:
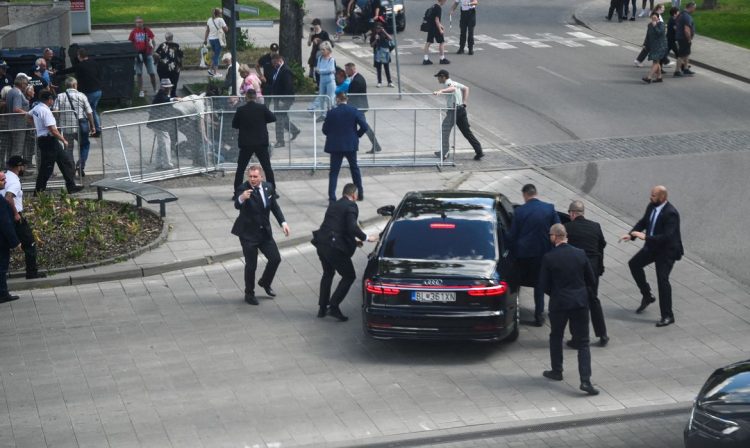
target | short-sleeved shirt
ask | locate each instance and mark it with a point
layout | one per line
(80, 107)
(682, 20)
(214, 25)
(141, 39)
(16, 99)
(43, 119)
(466, 5)
(13, 185)
(457, 99)
(437, 11)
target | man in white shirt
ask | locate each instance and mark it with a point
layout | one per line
(8, 241)
(467, 23)
(13, 194)
(51, 145)
(456, 113)
(77, 120)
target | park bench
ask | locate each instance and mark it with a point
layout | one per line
(150, 193)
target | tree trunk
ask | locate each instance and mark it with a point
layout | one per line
(710, 4)
(290, 30)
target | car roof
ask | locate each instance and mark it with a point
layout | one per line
(448, 202)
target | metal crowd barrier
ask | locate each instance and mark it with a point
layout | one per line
(18, 136)
(195, 135)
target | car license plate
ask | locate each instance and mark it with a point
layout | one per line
(433, 296)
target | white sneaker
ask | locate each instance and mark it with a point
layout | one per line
(379, 85)
(390, 84)
(141, 94)
(669, 64)
(637, 63)
(643, 13)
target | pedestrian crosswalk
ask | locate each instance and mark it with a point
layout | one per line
(577, 37)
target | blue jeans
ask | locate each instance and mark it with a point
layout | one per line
(94, 98)
(327, 88)
(333, 174)
(83, 142)
(216, 49)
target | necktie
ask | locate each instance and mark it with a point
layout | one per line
(652, 222)
(262, 196)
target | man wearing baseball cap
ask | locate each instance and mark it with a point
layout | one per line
(456, 113)
(13, 194)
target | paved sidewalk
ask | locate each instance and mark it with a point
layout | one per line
(708, 53)
(178, 359)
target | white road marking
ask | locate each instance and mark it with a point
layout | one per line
(582, 35)
(560, 40)
(502, 45)
(603, 43)
(536, 44)
(544, 69)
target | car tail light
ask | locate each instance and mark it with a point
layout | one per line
(375, 288)
(496, 290)
(442, 225)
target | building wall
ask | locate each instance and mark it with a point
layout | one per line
(35, 25)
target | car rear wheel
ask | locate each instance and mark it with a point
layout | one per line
(516, 325)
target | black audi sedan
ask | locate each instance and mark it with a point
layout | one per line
(440, 270)
(721, 413)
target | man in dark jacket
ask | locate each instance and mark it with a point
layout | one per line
(282, 84)
(660, 229)
(336, 241)
(587, 235)
(358, 99)
(255, 201)
(8, 241)
(252, 121)
(567, 277)
(529, 241)
(343, 127)
(89, 75)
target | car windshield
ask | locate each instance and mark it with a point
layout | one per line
(730, 388)
(438, 238)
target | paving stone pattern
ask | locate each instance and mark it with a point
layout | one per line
(632, 147)
(180, 360)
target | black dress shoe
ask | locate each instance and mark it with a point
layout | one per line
(267, 289)
(75, 189)
(603, 341)
(361, 197)
(250, 298)
(664, 321)
(587, 387)
(645, 301)
(539, 321)
(294, 134)
(471, 52)
(336, 313)
(553, 375)
(36, 275)
(479, 155)
(8, 298)
(322, 311)
(460, 51)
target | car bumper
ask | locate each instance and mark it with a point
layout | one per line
(396, 323)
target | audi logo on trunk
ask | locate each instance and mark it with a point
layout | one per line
(433, 282)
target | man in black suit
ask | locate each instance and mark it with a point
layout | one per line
(336, 241)
(660, 229)
(587, 235)
(282, 84)
(255, 201)
(567, 277)
(358, 98)
(8, 240)
(252, 121)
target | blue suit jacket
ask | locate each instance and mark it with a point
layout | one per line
(343, 127)
(529, 232)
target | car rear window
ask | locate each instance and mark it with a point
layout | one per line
(438, 238)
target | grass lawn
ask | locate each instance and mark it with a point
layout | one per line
(730, 22)
(124, 11)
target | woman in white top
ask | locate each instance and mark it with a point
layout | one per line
(215, 29)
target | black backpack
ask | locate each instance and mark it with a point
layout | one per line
(425, 27)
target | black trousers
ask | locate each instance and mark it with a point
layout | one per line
(250, 251)
(282, 120)
(28, 244)
(579, 326)
(4, 265)
(615, 6)
(52, 151)
(467, 23)
(595, 307)
(663, 267)
(333, 261)
(462, 121)
(246, 152)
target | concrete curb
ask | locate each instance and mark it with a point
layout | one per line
(697, 63)
(137, 272)
(493, 430)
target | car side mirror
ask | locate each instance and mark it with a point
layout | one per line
(386, 210)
